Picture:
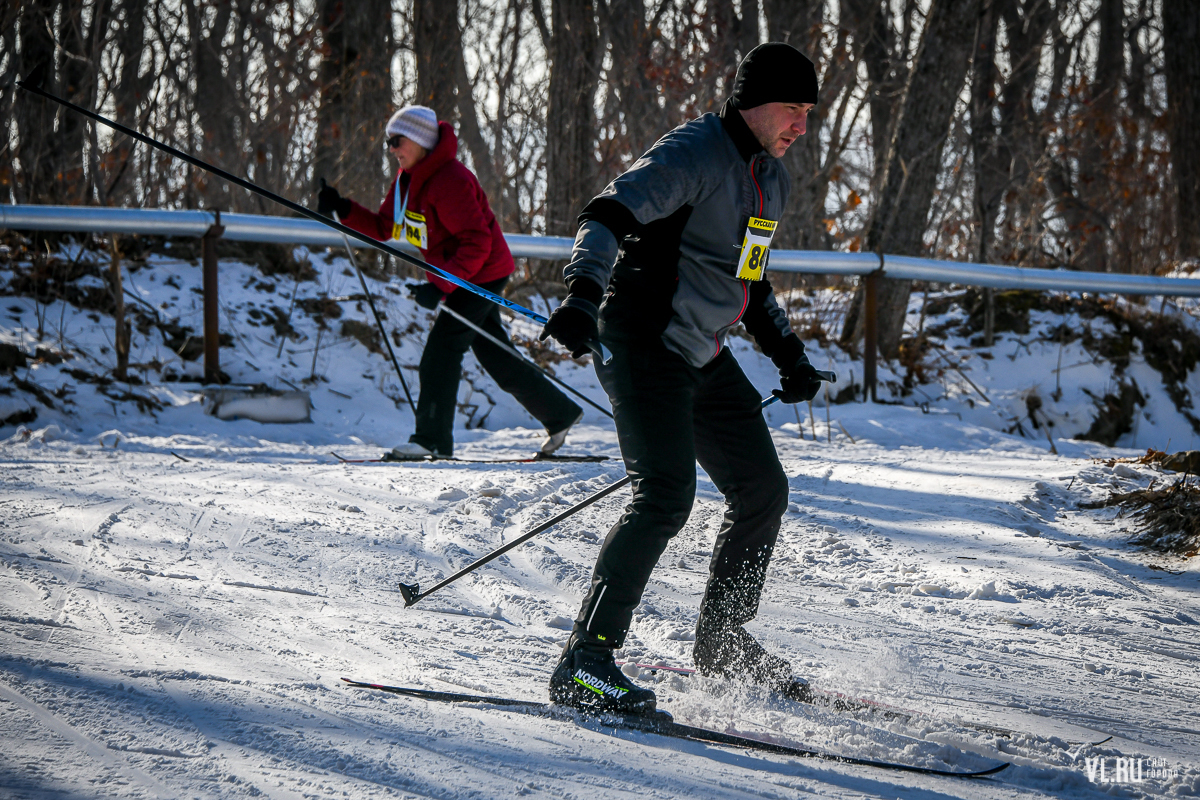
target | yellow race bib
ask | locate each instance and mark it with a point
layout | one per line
(414, 230)
(756, 249)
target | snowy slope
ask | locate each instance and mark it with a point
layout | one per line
(181, 596)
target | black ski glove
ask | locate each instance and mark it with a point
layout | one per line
(797, 377)
(426, 294)
(329, 201)
(573, 324)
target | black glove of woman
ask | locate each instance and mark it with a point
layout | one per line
(426, 294)
(329, 201)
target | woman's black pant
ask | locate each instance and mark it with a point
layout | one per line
(441, 370)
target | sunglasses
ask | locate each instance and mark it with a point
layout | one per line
(394, 141)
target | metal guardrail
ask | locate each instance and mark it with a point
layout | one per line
(291, 230)
(210, 226)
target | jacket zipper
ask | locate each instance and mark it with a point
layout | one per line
(758, 188)
(745, 288)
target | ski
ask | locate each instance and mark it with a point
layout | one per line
(661, 724)
(537, 458)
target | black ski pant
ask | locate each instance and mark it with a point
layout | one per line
(670, 415)
(441, 370)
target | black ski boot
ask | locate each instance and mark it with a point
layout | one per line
(588, 678)
(728, 651)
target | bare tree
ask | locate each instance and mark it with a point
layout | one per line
(634, 104)
(130, 96)
(1004, 126)
(906, 175)
(886, 50)
(216, 102)
(444, 85)
(1098, 138)
(571, 116)
(42, 161)
(437, 43)
(1181, 37)
(356, 95)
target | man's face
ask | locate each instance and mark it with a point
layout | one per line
(777, 125)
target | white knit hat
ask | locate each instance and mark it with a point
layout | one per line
(418, 123)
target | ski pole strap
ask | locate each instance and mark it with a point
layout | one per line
(599, 349)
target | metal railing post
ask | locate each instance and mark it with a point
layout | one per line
(212, 308)
(870, 335)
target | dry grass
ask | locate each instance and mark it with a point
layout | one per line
(1169, 516)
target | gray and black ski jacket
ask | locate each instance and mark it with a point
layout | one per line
(665, 237)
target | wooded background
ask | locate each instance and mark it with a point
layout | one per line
(1046, 133)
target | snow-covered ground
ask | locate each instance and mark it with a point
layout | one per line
(180, 595)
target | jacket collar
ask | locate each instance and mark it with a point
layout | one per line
(443, 152)
(745, 140)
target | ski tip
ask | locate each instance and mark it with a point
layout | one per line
(411, 592)
(1003, 765)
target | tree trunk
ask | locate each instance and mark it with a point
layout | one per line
(9, 72)
(798, 22)
(215, 101)
(905, 186)
(1181, 33)
(1017, 143)
(630, 79)
(877, 43)
(986, 147)
(747, 29)
(128, 96)
(36, 182)
(444, 85)
(356, 97)
(470, 134)
(990, 163)
(121, 334)
(77, 85)
(570, 116)
(51, 156)
(436, 39)
(1100, 137)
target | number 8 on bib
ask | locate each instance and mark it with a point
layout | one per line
(756, 248)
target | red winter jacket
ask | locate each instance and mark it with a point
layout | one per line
(462, 236)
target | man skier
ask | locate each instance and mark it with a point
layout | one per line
(437, 205)
(667, 260)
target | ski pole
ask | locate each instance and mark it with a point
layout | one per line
(513, 352)
(596, 347)
(371, 302)
(412, 591)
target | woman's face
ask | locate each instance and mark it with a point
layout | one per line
(407, 152)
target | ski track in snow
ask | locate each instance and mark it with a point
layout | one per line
(178, 629)
(174, 628)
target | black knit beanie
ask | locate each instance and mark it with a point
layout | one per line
(774, 73)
